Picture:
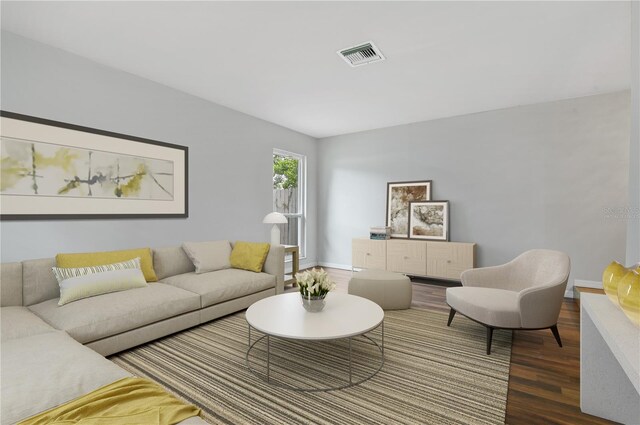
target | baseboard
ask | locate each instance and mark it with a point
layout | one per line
(570, 292)
(334, 265)
(304, 264)
(588, 284)
(307, 263)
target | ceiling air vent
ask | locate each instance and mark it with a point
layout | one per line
(362, 54)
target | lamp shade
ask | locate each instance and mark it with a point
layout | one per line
(274, 218)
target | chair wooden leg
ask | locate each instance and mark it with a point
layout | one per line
(489, 338)
(451, 314)
(556, 334)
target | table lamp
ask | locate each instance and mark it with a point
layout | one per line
(275, 218)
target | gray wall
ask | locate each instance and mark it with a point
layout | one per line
(633, 226)
(230, 187)
(517, 178)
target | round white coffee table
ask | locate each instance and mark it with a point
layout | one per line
(343, 317)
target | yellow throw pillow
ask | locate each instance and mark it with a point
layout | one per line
(90, 259)
(249, 256)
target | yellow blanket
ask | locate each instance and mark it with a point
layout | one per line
(127, 401)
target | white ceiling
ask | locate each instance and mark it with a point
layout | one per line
(277, 60)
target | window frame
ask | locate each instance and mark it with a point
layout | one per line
(302, 197)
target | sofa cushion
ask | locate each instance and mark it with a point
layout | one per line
(11, 288)
(171, 261)
(39, 282)
(90, 259)
(98, 317)
(208, 256)
(222, 285)
(43, 371)
(493, 307)
(19, 322)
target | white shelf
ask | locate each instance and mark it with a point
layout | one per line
(609, 361)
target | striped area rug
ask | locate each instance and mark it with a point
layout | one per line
(432, 374)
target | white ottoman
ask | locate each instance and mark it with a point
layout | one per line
(391, 291)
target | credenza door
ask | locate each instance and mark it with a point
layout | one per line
(406, 256)
(369, 254)
(449, 259)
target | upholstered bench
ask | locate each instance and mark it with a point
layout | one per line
(391, 291)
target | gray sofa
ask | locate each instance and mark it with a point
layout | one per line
(44, 362)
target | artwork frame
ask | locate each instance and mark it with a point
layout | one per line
(399, 194)
(417, 227)
(158, 186)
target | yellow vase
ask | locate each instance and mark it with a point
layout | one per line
(610, 279)
(629, 296)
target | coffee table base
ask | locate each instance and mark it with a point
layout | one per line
(350, 382)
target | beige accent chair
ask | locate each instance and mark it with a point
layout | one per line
(525, 293)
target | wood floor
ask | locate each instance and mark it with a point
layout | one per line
(544, 380)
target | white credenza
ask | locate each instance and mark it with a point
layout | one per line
(440, 260)
(609, 361)
(369, 254)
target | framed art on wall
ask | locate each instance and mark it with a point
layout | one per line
(429, 220)
(399, 195)
(55, 170)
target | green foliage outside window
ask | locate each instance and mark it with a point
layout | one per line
(285, 172)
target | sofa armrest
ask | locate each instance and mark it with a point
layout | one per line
(274, 265)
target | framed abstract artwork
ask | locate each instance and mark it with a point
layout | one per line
(429, 220)
(55, 170)
(399, 195)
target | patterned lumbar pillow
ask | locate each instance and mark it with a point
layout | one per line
(84, 282)
(91, 259)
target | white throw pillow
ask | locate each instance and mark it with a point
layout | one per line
(208, 256)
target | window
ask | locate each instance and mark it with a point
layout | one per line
(289, 196)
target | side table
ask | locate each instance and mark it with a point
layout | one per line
(294, 250)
